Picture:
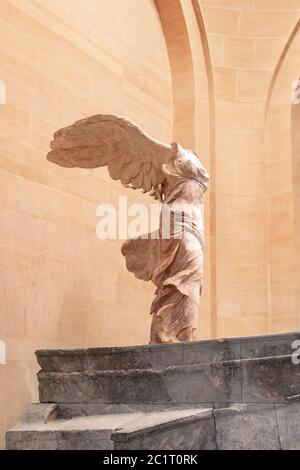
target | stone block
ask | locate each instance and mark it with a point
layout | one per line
(31, 440)
(246, 428)
(211, 351)
(61, 361)
(266, 23)
(39, 413)
(107, 387)
(71, 410)
(214, 382)
(268, 346)
(83, 440)
(288, 418)
(192, 436)
(239, 52)
(194, 431)
(221, 21)
(164, 355)
(269, 379)
(182, 384)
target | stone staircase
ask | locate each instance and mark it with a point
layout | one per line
(241, 393)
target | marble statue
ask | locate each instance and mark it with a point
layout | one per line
(172, 258)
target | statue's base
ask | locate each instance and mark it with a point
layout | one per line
(241, 393)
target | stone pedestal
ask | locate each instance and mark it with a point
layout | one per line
(226, 394)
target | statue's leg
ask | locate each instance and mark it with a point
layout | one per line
(174, 317)
(188, 334)
(157, 332)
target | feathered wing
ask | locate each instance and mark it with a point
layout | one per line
(103, 140)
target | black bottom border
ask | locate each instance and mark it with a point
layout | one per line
(138, 459)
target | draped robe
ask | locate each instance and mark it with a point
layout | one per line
(173, 260)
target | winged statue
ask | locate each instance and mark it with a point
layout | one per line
(173, 259)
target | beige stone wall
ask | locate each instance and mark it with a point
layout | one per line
(282, 170)
(59, 285)
(231, 61)
(193, 121)
(253, 251)
(215, 75)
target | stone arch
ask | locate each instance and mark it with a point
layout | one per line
(193, 125)
(282, 170)
(182, 70)
(280, 64)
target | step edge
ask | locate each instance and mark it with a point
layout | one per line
(121, 435)
(153, 347)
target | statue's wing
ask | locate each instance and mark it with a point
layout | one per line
(103, 140)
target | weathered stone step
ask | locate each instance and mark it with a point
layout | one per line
(145, 397)
(168, 429)
(247, 380)
(158, 356)
(238, 427)
(191, 428)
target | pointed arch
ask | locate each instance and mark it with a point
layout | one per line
(182, 69)
(282, 170)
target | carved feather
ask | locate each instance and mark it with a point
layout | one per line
(103, 140)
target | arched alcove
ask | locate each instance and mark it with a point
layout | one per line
(182, 69)
(282, 170)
